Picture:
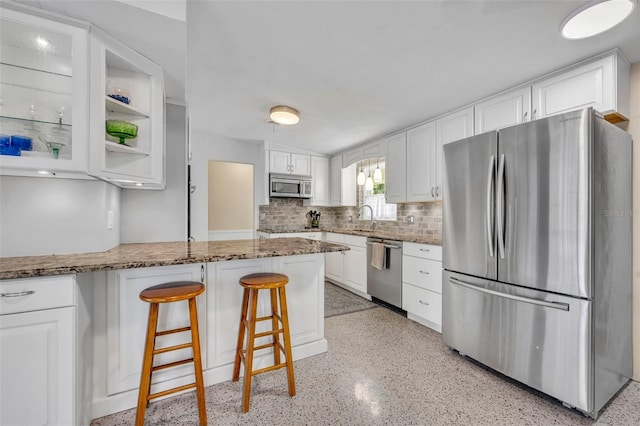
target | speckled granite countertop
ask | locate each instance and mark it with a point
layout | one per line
(413, 238)
(128, 256)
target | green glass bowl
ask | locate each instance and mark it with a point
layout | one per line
(122, 130)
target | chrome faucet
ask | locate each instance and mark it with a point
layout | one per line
(373, 221)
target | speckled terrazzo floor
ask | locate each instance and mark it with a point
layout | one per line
(338, 301)
(382, 369)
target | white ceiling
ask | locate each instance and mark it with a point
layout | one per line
(356, 70)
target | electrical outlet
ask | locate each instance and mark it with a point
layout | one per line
(410, 218)
(263, 216)
(349, 219)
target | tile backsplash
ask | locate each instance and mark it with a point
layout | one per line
(289, 213)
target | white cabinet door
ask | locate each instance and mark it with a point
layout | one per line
(355, 268)
(37, 368)
(342, 182)
(320, 175)
(279, 162)
(334, 266)
(224, 303)
(450, 128)
(335, 180)
(421, 162)
(502, 111)
(44, 95)
(305, 295)
(300, 164)
(396, 163)
(602, 84)
(127, 317)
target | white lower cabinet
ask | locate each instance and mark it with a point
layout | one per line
(349, 268)
(224, 304)
(422, 284)
(37, 349)
(127, 317)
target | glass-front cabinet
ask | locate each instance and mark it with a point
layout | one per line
(127, 115)
(44, 108)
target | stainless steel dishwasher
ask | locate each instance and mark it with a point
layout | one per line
(386, 284)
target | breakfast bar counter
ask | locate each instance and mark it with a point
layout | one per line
(86, 309)
(142, 255)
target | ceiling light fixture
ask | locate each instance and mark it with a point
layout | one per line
(368, 185)
(361, 176)
(284, 115)
(595, 17)
(377, 173)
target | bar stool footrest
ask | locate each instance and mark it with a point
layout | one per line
(173, 348)
(170, 391)
(171, 364)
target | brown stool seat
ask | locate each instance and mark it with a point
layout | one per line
(275, 283)
(172, 292)
(264, 280)
(167, 293)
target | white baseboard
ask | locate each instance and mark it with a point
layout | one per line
(232, 234)
(346, 287)
(425, 322)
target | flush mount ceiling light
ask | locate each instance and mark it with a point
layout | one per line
(284, 115)
(595, 17)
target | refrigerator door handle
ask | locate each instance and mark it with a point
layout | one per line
(490, 196)
(544, 303)
(500, 207)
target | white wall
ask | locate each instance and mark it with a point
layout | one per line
(40, 216)
(152, 216)
(634, 130)
(206, 146)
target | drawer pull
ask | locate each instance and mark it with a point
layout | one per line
(18, 293)
(424, 249)
(424, 272)
(423, 303)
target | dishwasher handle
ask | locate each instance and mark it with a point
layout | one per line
(385, 246)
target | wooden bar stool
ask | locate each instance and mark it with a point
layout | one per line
(252, 284)
(167, 293)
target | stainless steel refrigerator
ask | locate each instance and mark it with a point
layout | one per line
(537, 255)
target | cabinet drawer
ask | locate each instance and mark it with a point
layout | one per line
(33, 294)
(332, 237)
(423, 303)
(354, 240)
(426, 251)
(424, 273)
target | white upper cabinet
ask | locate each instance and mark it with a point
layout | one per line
(421, 162)
(320, 186)
(342, 183)
(396, 176)
(44, 112)
(450, 128)
(602, 84)
(127, 87)
(287, 163)
(507, 109)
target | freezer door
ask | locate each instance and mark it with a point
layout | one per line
(542, 204)
(469, 242)
(538, 338)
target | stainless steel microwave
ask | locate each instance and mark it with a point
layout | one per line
(294, 186)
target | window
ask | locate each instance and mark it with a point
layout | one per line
(374, 197)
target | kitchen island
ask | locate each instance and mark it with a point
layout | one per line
(96, 323)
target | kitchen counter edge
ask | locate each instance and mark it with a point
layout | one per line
(144, 255)
(412, 238)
